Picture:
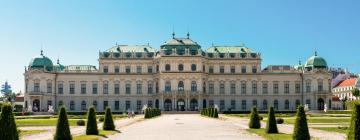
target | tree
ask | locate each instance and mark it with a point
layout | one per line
(62, 127)
(7, 92)
(301, 130)
(271, 122)
(108, 122)
(254, 119)
(91, 125)
(8, 129)
(354, 129)
(355, 92)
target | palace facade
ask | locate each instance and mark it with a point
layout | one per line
(180, 76)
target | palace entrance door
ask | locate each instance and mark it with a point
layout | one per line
(180, 105)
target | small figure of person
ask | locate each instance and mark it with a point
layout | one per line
(132, 114)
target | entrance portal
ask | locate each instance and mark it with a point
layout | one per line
(36, 105)
(167, 105)
(320, 103)
(180, 105)
(193, 105)
(204, 103)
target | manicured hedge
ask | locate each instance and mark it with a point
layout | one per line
(8, 129)
(108, 122)
(271, 122)
(91, 126)
(210, 112)
(62, 127)
(254, 119)
(354, 129)
(301, 130)
(152, 112)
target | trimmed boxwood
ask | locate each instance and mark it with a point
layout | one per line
(279, 120)
(301, 130)
(152, 112)
(354, 129)
(8, 129)
(91, 125)
(254, 119)
(80, 123)
(108, 122)
(271, 122)
(62, 127)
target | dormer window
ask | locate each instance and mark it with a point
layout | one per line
(138, 55)
(232, 55)
(167, 67)
(128, 55)
(181, 67)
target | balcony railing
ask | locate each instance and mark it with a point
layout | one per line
(36, 93)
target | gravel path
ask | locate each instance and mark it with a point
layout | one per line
(75, 130)
(184, 127)
(288, 129)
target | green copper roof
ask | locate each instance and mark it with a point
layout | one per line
(40, 62)
(132, 48)
(299, 67)
(58, 66)
(316, 62)
(180, 41)
(229, 49)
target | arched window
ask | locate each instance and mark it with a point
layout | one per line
(204, 87)
(72, 105)
(254, 103)
(167, 86)
(276, 104)
(297, 103)
(181, 67)
(60, 103)
(193, 67)
(287, 104)
(193, 86)
(95, 104)
(167, 67)
(181, 86)
(83, 105)
(265, 104)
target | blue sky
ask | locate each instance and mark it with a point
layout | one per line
(284, 32)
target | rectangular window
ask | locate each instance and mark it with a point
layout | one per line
(222, 88)
(297, 88)
(150, 103)
(117, 69)
(308, 87)
(286, 88)
(83, 88)
(222, 105)
(211, 69)
(36, 87)
(61, 88)
(320, 86)
(127, 69)
(127, 88)
(211, 103)
(49, 87)
(243, 105)
(211, 88)
(254, 69)
(222, 70)
(150, 69)
(232, 70)
(49, 103)
(138, 105)
(106, 88)
(106, 104)
(117, 88)
(127, 105)
(138, 88)
(72, 88)
(243, 87)
(276, 88)
(243, 69)
(106, 69)
(138, 69)
(254, 103)
(254, 87)
(264, 88)
(150, 88)
(117, 105)
(94, 88)
(232, 88)
(233, 104)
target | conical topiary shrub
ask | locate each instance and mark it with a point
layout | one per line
(108, 122)
(8, 129)
(271, 122)
(216, 113)
(254, 119)
(301, 130)
(354, 129)
(91, 125)
(62, 127)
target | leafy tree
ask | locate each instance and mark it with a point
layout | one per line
(8, 129)
(354, 129)
(62, 127)
(6, 91)
(301, 130)
(108, 122)
(355, 92)
(271, 122)
(254, 119)
(91, 125)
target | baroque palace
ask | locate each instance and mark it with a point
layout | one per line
(179, 77)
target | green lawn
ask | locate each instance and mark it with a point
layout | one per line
(279, 136)
(30, 132)
(333, 129)
(42, 122)
(334, 120)
(102, 133)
